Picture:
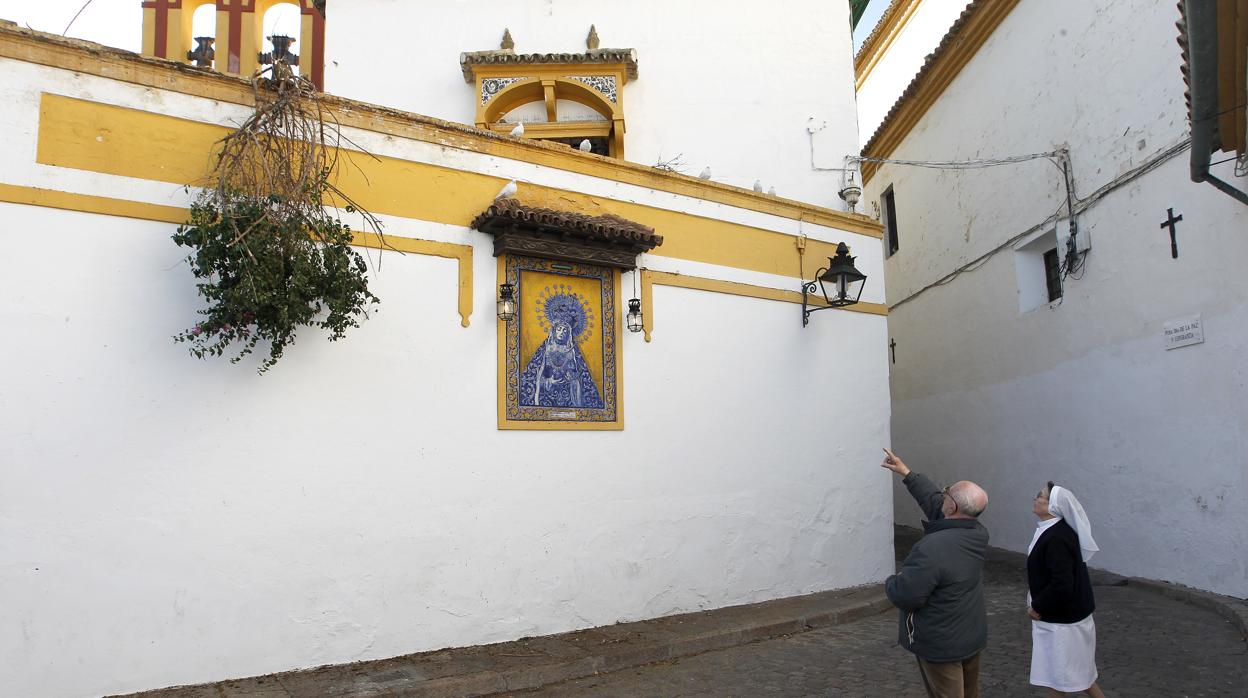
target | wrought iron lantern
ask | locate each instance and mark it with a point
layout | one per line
(840, 283)
(633, 319)
(506, 302)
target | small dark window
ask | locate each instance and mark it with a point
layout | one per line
(890, 223)
(1052, 275)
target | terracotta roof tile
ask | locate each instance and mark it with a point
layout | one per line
(627, 56)
(606, 228)
(951, 38)
(893, 7)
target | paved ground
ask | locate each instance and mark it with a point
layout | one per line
(1149, 645)
(1155, 640)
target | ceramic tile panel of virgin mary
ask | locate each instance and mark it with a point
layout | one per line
(561, 359)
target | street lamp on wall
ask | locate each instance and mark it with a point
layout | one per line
(850, 193)
(840, 283)
(506, 302)
(850, 196)
(633, 319)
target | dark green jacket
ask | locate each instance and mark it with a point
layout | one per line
(940, 588)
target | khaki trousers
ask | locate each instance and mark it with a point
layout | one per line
(951, 679)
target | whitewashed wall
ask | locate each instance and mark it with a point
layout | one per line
(169, 520)
(730, 87)
(901, 60)
(1154, 442)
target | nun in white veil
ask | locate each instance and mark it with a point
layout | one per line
(1060, 601)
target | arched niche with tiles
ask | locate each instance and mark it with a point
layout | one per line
(240, 37)
(506, 82)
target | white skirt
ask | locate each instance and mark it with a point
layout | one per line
(1063, 655)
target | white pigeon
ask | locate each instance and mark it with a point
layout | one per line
(706, 174)
(758, 186)
(771, 191)
(508, 190)
(518, 131)
(586, 146)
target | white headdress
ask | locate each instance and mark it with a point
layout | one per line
(1064, 505)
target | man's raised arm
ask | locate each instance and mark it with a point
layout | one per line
(921, 487)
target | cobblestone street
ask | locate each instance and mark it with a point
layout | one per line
(1148, 645)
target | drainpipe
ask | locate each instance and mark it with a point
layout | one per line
(1202, 45)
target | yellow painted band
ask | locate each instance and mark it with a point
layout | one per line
(91, 59)
(31, 196)
(650, 279)
(121, 141)
(48, 198)
(433, 248)
(647, 303)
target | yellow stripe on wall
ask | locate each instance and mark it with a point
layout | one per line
(170, 76)
(14, 194)
(650, 279)
(67, 201)
(115, 140)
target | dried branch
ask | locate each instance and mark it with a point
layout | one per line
(286, 154)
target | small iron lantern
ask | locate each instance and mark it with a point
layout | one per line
(634, 318)
(506, 302)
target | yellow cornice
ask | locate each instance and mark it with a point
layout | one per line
(93, 59)
(956, 50)
(881, 38)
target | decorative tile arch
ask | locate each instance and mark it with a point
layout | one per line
(596, 78)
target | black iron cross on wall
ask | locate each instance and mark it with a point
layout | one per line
(1170, 222)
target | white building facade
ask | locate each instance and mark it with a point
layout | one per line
(1120, 376)
(176, 521)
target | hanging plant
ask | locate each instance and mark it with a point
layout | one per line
(270, 255)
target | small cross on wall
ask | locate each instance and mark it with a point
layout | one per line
(1170, 222)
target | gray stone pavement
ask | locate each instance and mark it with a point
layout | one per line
(1155, 640)
(1148, 645)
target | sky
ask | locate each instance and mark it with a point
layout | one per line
(118, 23)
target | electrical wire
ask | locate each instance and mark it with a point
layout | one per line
(1080, 205)
(1237, 107)
(960, 164)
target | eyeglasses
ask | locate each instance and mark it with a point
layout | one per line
(945, 491)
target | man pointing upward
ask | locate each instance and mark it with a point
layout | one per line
(939, 589)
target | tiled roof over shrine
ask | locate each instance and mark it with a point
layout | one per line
(627, 56)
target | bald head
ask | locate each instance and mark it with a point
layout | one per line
(970, 498)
